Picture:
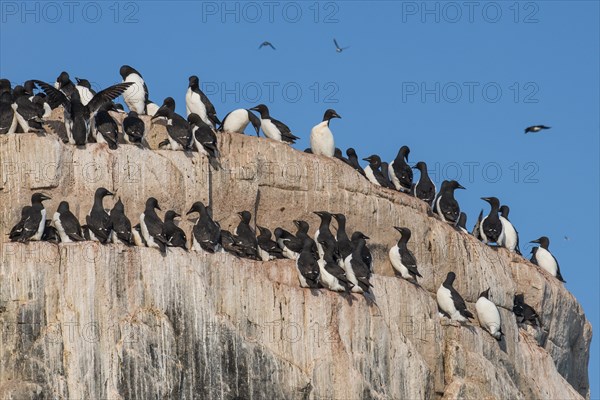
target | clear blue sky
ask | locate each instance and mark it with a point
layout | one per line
(457, 85)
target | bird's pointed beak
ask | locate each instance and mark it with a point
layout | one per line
(414, 167)
(461, 187)
(535, 241)
(336, 115)
(367, 159)
(189, 212)
(177, 215)
(398, 228)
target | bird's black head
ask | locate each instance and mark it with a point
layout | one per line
(373, 160)
(262, 110)
(492, 201)
(132, 114)
(119, 107)
(29, 86)
(255, 121)
(194, 119)
(164, 112)
(329, 114)
(126, 70)
(454, 185)
(5, 86)
(359, 235)
(83, 82)
(301, 225)
(194, 82)
(152, 203)
(169, 103)
(245, 216)
(264, 231)
(519, 299)
(197, 207)
(450, 278)
(171, 215)
(39, 197)
(405, 232)
(404, 152)
(102, 192)
(421, 166)
(350, 152)
(485, 293)
(63, 207)
(19, 91)
(323, 214)
(338, 153)
(504, 211)
(340, 218)
(544, 242)
(63, 80)
(119, 206)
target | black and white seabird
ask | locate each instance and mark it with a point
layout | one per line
(289, 244)
(50, 234)
(8, 117)
(400, 172)
(65, 85)
(450, 302)
(373, 172)
(323, 233)
(178, 129)
(462, 223)
(29, 114)
(445, 205)
(488, 315)
(339, 49)
(348, 265)
(105, 128)
(266, 44)
(272, 128)
(491, 227)
(424, 188)
(402, 259)
(77, 116)
(524, 312)
(544, 259)
(168, 103)
(98, 220)
(237, 121)
(204, 139)
(245, 233)
(353, 161)
(267, 248)
(477, 227)
(120, 225)
(152, 226)
(86, 94)
(360, 270)
(321, 138)
(196, 102)
(344, 245)
(206, 233)
(337, 153)
(134, 128)
(33, 221)
(367, 257)
(308, 266)
(67, 225)
(136, 95)
(331, 275)
(509, 237)
(535, 128)
(385, 172)
(174, 235)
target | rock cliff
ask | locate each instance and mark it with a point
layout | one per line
(92, 321)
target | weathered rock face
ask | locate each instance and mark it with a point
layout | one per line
(92, 321)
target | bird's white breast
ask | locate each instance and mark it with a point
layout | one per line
(41, 227)
(444, 300)
(509, 237)
(59, 227)
(85, 94)
(488, 315)
(135, 95)
(370, 176)
(270, 130)
(546, 260)
(321, 140)
(236, 121)
(396, 261)
(194, 104)
(394, 178)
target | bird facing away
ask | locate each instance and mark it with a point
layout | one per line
(491, 226)
(424, 189)
(206, 234)
(450, 302)
(266, 44)
(400, 173)
(488, 315)
(98, 220)
(339, 49)
(66, 224)
(174, 235)
(524, 312)
(535, 128)
(445, 205)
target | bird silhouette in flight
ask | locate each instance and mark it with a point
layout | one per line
(338, 48)
(264, 44)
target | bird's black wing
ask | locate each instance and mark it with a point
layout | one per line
(71, 226)
(54, 96)
(108, 94)
(211, 113)
(286, 133)
(30, 225)
(337, 46)
(459, 303)
(449, 208)
(134, 127)
(558, 274)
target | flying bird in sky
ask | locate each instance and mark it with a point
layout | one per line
(263, 44)
(536, 128)
(338, 48)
